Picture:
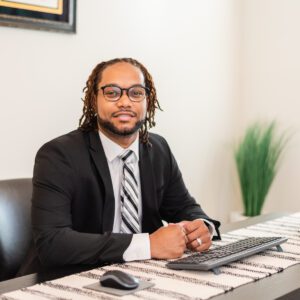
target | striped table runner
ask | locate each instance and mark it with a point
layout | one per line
(171, 284)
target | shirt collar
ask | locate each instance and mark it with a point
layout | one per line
(113, 150)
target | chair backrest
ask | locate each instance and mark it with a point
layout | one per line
(15, 224)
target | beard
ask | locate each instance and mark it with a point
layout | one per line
(110, 127)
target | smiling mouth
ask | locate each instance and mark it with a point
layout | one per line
(124, 114)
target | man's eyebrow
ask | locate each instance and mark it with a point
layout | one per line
(115, 84)
(111, 83)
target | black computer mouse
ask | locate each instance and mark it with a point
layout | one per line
(119, 280)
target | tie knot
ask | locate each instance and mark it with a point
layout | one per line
(126, 155)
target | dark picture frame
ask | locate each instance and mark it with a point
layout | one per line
(61, 18)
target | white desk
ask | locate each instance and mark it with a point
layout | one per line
(172, 284)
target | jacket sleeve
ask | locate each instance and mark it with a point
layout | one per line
(55, 240)
(178, 204)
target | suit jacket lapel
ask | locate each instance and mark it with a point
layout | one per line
(100, 161)
(150, 221)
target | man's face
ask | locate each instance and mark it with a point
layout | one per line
(122, 117)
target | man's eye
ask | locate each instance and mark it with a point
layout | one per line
(111, 93)
(137, 93)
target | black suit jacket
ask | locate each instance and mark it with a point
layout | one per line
(73, 200)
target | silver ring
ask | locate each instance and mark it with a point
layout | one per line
(199, 241)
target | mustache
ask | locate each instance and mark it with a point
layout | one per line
(122, 111)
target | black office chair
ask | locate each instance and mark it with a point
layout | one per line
(15, 225)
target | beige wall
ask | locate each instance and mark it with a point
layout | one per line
(189, 47)
(270, 85)
(217, 66)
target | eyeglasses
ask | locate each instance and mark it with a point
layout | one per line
(135, 93)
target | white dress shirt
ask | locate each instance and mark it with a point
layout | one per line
(139, 248)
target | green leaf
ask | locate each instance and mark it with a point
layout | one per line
(257, 158)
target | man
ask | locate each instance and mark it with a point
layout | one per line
(100, 193)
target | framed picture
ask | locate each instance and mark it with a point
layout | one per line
(55, 15)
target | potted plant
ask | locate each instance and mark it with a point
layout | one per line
(256, 159)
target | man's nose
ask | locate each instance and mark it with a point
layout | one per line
(124, 99)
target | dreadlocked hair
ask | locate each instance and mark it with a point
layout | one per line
(88, 120)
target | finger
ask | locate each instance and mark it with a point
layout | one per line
(181, 230)
(191, 226)
(195, 244)
(181, 224)
(199, 232)
(198, 242)
(182, 241)
(203, 247)
(194, 225)
(186, 240)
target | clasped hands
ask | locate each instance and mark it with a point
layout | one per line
(171, 241)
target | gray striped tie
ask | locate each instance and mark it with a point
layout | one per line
(129, 197)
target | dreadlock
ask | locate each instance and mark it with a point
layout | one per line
(88, 120)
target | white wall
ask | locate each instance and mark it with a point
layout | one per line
(270, 86)
(191, 49)
(218, 65)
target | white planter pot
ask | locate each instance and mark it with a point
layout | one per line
(236, 216)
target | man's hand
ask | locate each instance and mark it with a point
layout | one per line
(168, 242)
(198, 235)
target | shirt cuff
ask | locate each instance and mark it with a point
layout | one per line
(211, 228)
(139, 248)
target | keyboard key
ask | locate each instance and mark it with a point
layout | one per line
(225, 254)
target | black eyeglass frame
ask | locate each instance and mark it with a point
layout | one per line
(122, 91)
